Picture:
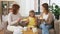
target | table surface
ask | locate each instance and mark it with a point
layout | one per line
(1, 31)
(29, 32)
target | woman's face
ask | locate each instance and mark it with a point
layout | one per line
(43, 8)
(15, 11)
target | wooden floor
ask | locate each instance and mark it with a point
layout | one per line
(2, 32)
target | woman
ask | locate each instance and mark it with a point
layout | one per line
(46, 18)
(14, 18)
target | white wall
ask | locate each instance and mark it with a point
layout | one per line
(57, 2)
(7, 0)
(25, 6)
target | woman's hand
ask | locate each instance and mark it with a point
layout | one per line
(19, 19)
(42, 19)
(25, 20)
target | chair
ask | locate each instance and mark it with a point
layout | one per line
(52, 31)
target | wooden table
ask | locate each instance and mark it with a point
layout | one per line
(1, 31)
(29, 32)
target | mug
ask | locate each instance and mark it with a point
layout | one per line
(34, 30)
(25, 28)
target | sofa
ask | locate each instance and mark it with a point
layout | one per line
(51, 31)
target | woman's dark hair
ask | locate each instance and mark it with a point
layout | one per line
(15, 8)
(45, 5)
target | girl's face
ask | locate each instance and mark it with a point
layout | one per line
(32, 14)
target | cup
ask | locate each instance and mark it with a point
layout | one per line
(34, 30)
(25, 28)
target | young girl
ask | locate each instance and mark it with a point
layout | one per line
(32, 20)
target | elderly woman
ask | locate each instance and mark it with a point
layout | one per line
(14, 18)
(46, 18)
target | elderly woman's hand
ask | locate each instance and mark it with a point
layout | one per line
(19, 19)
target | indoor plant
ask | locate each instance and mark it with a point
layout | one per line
(55, 10)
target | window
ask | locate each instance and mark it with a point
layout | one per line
(38, 7)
